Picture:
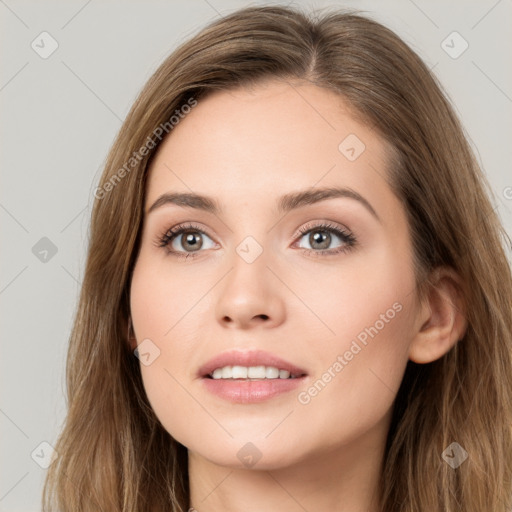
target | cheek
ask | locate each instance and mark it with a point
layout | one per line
(359, 368)
(167, 313)
(165, 299)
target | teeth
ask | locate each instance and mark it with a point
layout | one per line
(217, 373)
(251, 372)
(238, 372)
(271, 372)
(256, 372)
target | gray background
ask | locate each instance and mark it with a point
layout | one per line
(59, 118)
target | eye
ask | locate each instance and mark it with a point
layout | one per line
(320, 237)
(185, 240)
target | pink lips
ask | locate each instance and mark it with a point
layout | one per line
(249, 391)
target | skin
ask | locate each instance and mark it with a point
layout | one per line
(246, 148)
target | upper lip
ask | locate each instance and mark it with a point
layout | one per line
(248, 358)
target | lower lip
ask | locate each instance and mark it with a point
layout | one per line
(250, 391)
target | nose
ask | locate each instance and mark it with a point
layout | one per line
(250, 296)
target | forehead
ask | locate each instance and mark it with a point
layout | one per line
(264, 141)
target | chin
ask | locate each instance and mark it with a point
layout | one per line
(250, 458)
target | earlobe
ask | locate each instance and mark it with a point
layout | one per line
(442, 317)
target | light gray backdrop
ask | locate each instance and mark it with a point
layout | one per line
(64, 95)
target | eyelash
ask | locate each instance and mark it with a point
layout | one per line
(347, 238)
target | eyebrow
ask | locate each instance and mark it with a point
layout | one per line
(285, 204)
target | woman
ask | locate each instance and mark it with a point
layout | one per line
(220, 358)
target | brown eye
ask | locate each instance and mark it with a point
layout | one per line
(321, 237)
(191, 240)
(185, 240)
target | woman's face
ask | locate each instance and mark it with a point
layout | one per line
(319, 283)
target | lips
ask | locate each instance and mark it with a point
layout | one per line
(248, 358)
(240, 390)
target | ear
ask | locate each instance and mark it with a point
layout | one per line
(442, 317)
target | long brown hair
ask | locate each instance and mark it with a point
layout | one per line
(113, 453)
